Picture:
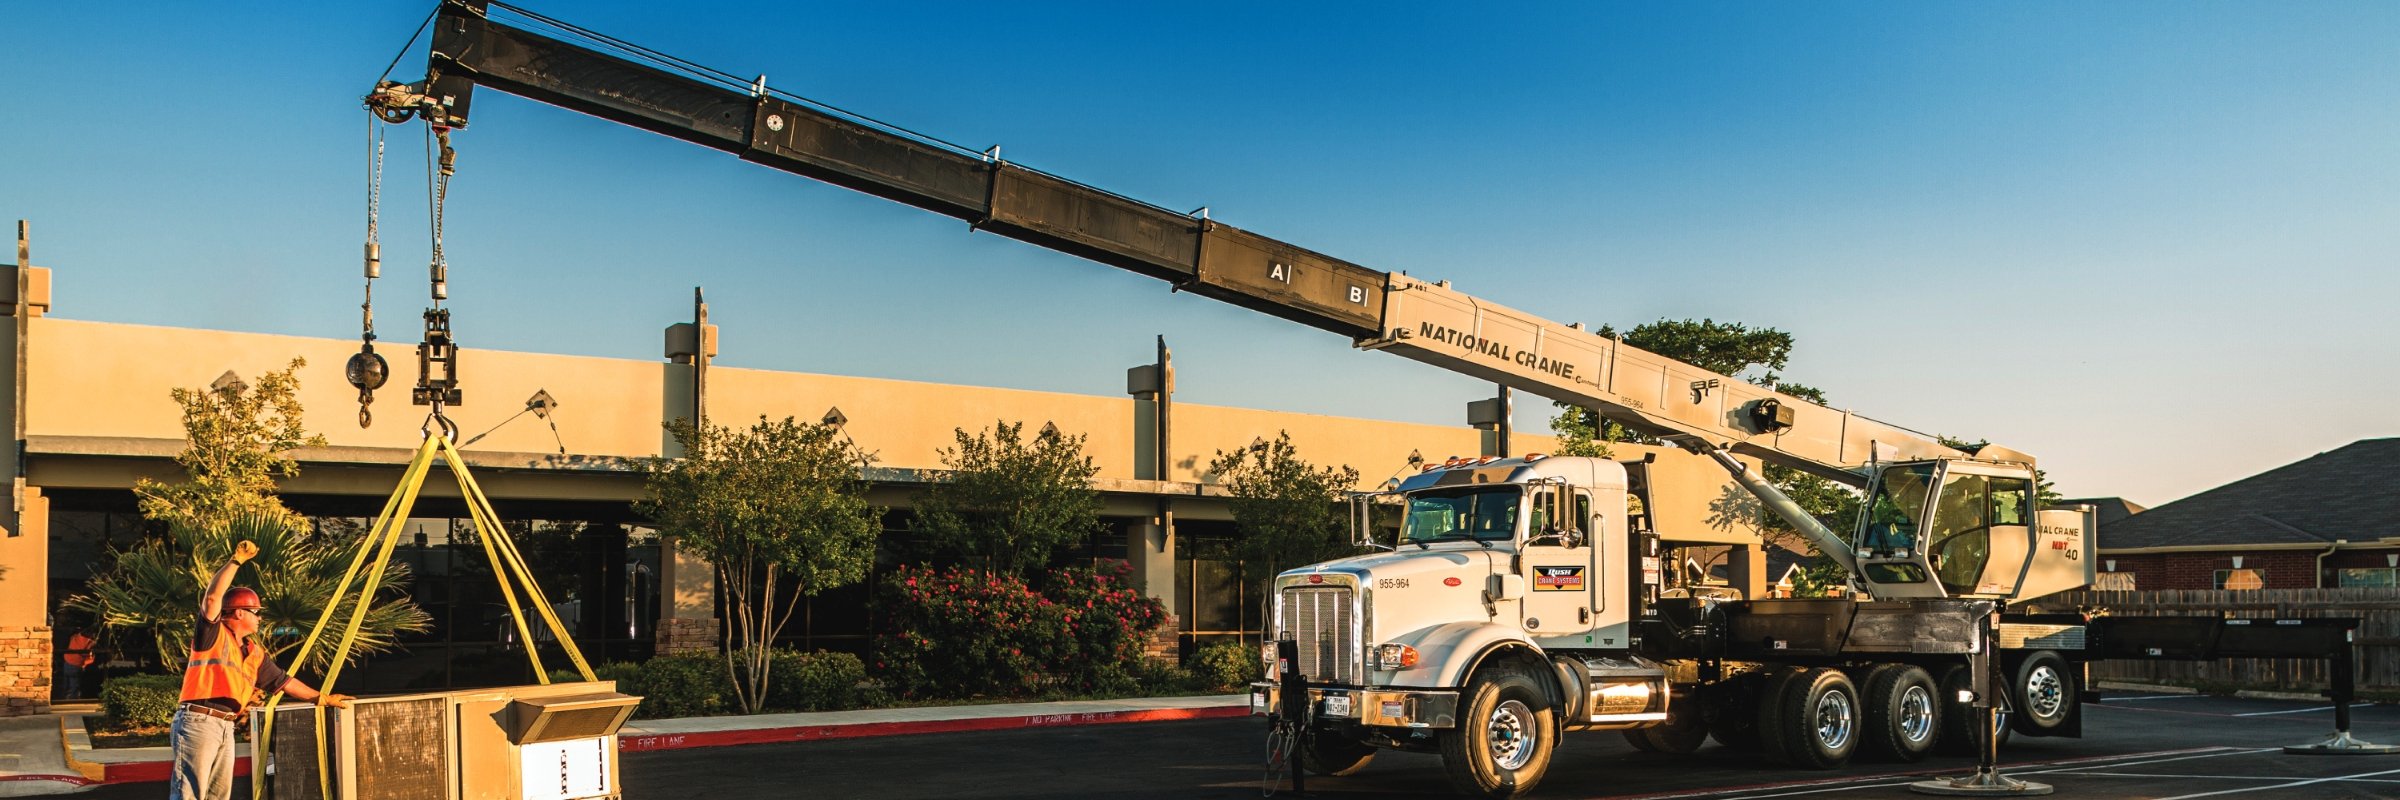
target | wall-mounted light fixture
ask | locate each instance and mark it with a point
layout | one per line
(2110, 563)
(2237, 562)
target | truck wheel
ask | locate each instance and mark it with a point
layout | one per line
(1335, 755)
(1903, 714)
(1682, 733)
(1959, 720)
(1737, 728)
(1504, 736)
(1772, 725)
(2045, 692)
(1820, 719)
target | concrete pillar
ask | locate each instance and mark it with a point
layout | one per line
(26, 658)
(1746, 568)
(687, 620)
(1150, 549)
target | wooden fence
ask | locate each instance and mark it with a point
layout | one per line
(2378, 635)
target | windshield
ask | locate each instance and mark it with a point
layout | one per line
(1891, 513)
(1483, 513)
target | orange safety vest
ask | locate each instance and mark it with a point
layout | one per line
(226, 669)
(79, 650)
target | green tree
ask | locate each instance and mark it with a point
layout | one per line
(1289, 512)
(780, 512)
(1005, 504)
(238, 440)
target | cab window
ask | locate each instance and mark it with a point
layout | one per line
(1960, 540)
(1461, 514)
(1891, 512)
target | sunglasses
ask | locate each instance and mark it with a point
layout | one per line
(254, 613)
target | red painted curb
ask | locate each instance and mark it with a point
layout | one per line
(158, 771)
(679, 741)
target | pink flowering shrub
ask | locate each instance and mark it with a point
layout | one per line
(957, 632)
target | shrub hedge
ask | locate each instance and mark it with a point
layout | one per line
(958, 632)
(1224, 666)
(142, 700)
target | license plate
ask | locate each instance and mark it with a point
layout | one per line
(1337, 705)
(1393, 709)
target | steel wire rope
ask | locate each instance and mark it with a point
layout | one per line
(412, 42)
(730, 81)
(1282, 740)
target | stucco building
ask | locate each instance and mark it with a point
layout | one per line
(93, 416)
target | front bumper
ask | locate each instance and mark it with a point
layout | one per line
(1386, 708)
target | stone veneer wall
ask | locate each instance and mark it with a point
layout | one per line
(25, 670)
(687, 635)
(1165, 644)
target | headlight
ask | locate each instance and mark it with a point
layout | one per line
(1395, 656)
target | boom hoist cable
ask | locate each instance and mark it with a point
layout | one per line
(367, 371)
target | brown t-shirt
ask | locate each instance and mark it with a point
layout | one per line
(270, 676)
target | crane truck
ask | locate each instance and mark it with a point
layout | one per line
(1514, 599)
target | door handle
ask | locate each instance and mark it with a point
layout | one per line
(1583, 615)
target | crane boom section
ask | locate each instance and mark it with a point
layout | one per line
(1423, 321)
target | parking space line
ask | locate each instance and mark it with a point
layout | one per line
(1890, 779)
(2310, 782)
(2213, 752)
(2152, 697)
(2285, 711)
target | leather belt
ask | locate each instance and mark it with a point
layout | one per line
(213, 711)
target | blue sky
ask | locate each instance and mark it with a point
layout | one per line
(2154, 244)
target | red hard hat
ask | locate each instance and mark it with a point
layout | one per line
(241, 597)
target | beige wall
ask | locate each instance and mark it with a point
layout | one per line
(110, 382)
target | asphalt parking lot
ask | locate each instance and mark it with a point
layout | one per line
(2135, 746)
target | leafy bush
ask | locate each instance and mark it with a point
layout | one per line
(1224, 666)
(959, 633)
(818, 681)
(1104, 625)
(684, 685)
(963, 632)
(142, 700)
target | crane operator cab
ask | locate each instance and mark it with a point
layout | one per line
(1966, 528)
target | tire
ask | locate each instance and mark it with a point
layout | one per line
(1504, 738)
(1335, 755)
(2044, 695)
(1773, 727)
(1736, 727)
(1904, 712)
(1820, 719)
(1959, 720)
(1682, 733)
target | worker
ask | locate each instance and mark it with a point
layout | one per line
(76, 658)
(226, 674)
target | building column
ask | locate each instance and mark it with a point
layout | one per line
(25, 603)
(1746, 568)
(687, 599)
(1150, 550)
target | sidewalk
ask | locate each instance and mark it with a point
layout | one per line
(35, 758)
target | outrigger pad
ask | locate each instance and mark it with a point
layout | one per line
(2340, 744)
(1981, 784)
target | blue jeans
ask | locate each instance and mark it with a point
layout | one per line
(203, 757)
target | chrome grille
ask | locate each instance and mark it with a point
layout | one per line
(1324, 621)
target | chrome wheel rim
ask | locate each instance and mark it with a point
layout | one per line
(2045, 692)
(1916, 714)
(1834, 721)
(1511, 735)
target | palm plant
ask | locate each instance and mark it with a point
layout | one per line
(155, 587)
